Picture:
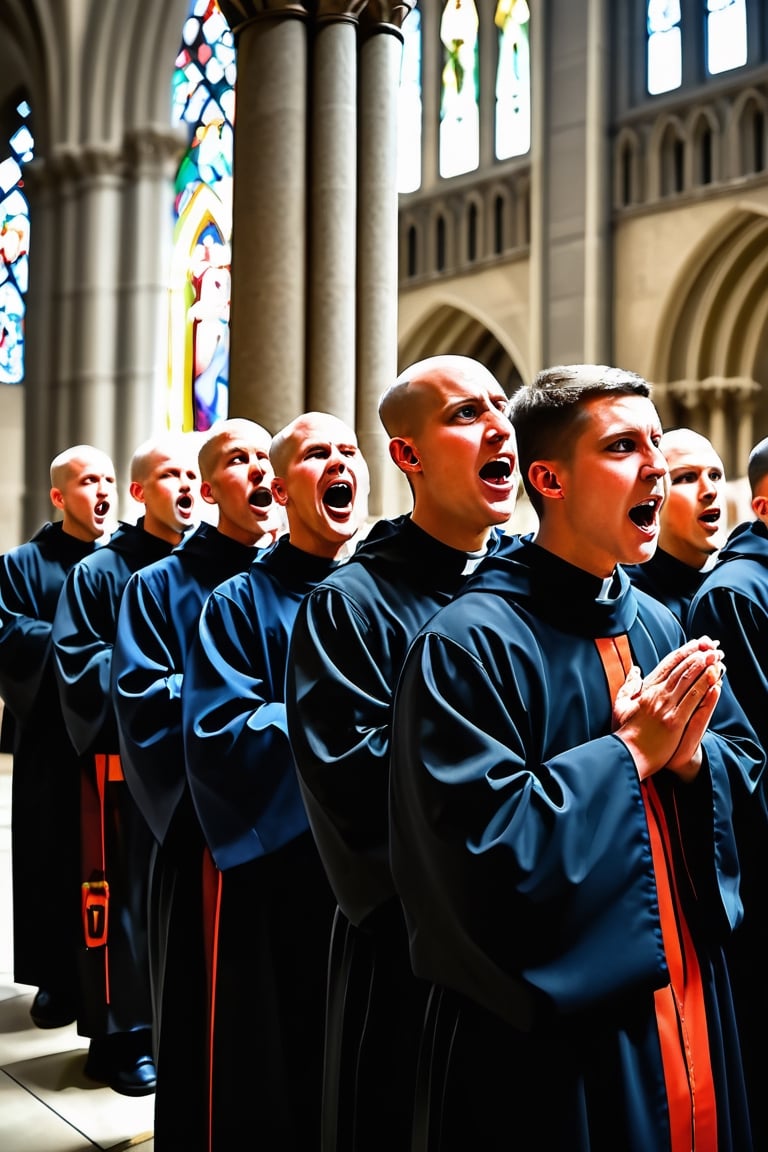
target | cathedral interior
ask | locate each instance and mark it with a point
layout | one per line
(525, 183)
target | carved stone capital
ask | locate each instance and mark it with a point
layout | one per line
(239, 13)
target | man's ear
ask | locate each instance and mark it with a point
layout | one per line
(57, 498)
(137, 491)
(760, 507)
(206, 493)
(279, 491)
(404, 455)
(543, 477)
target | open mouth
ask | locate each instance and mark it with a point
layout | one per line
(496, 471)
(102, 508)
(184, 503)
(338, 495)
(712, 517)
(260, 498)
(644, 514)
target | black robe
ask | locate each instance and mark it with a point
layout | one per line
(269, 903)
(667, 579)
(732, 607)
(552, 898)
(349, 641)
(45, 853)
(157, 623)
(115, 985)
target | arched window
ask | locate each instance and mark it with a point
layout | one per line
(513, 80)
(459, 107)
(14, 245)
(665, 61)
(726, 35)
(409, 107)
(203, 99)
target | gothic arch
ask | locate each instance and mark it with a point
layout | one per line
(448, 329)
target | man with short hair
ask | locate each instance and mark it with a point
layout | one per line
(561, 833)
(45, 852)
(115, 844)
(693, 522)
(157, 623)
(268, 904)
(452, 440)
(732, 604)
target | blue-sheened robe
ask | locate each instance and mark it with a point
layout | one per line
(45, 850)
(667, 579)
(523, 849)
(115, 983)
(157, 623)
(732, 607)
(348, 644)
(273, 903)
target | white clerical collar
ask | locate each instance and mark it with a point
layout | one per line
(473, 559)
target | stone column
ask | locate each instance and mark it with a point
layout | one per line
(40, 185)
(377, 281)
(597, 195)
(269, 235)
(95, 294)
(333, 209)
(141, 375)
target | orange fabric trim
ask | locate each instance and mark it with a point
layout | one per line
(680, 1008)
(212, 880)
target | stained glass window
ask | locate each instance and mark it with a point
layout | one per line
(204, 99)
(459, 108)
(409, 106)
(665, 61)
(513, 80)
(14, 247)
(726, 35)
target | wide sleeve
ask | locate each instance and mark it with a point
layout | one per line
(147, 674)
(339, 700)
(525, 877)
(25, 637)
(238, 758)
(83, 635)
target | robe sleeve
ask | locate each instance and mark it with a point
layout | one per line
(339, 694)
(239, 763)
(83, 633)
(25, 638)
(147, 675)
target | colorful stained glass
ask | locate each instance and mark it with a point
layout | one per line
(513, 80)
(409, 106)
(203, 96)
(14, 248)
(459, 106)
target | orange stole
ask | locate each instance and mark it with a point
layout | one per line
(680, 1009)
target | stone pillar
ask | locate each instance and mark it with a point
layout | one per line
(40, 186)
(597, 246)
(333, 210)
(95, 292)
(269, 235)
(377, 282)
(141, 375)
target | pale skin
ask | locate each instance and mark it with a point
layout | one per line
(614, 467)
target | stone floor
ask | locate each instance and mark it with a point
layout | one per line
(46, 1103)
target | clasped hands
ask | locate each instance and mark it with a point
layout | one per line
(663, 716)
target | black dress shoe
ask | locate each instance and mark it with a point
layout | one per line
(120, 1061)
(52, 1010)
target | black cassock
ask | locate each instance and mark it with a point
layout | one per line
(349, 641)
(732, 606)
(115, 841)
(667, 579)
(573, 915)
(45, 851)
(156, 625)
(268, 904)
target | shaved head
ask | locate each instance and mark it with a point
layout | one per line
(73, 460)
(222, 434)
(407, 404)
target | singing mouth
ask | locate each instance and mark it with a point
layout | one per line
(260, 498)
(184, 503)
(339, 495)
(102, 508)
(496, 471)
(644, 513)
